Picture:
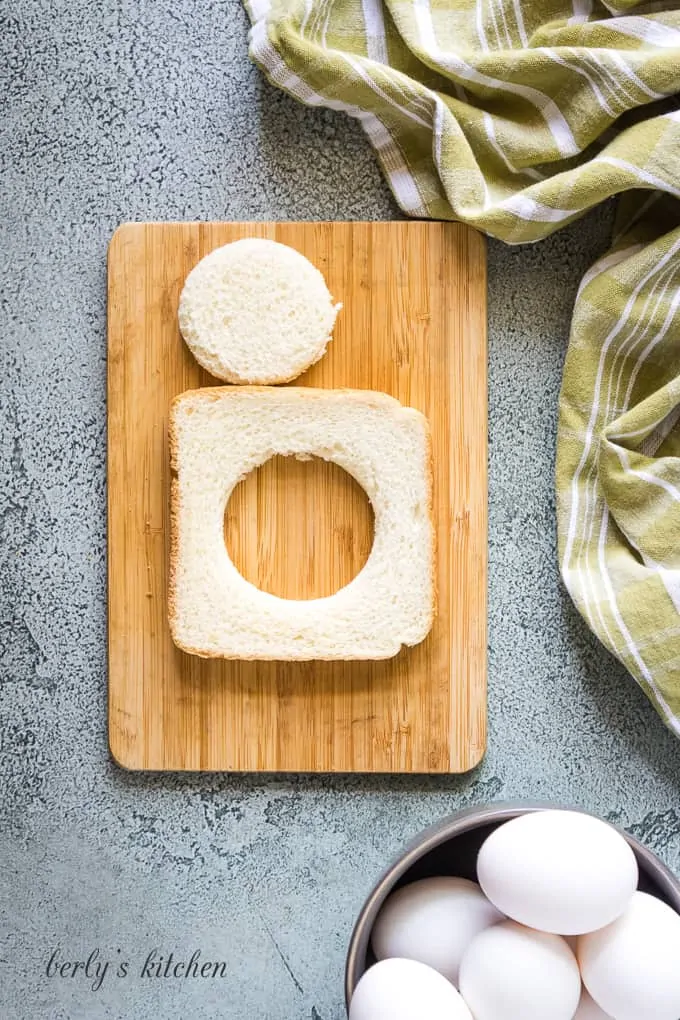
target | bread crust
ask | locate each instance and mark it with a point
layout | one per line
(367, 398)
(174, 526)
(430, 510)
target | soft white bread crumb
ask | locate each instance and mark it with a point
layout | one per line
(256, 311)
(217, 436)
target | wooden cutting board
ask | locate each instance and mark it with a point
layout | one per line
(413, 325)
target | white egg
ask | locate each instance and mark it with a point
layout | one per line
(559, 871)
(405, 990)
(510, 972)
(433, 921)
(588, 1009)
(632, 967)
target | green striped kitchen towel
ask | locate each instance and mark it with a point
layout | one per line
(517, 117)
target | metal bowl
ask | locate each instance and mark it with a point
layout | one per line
(450, 848)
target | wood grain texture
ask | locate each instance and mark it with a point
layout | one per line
(310, 507)
(413, 325)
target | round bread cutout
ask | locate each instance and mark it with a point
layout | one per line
(256, 311)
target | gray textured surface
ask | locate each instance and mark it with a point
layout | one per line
(135, 111)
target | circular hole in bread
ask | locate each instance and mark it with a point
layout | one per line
(299, 529)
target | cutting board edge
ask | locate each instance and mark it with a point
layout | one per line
(126, 752)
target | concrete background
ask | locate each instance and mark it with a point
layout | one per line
(130, 110)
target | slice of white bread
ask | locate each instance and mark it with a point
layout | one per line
(256, 311)
(219, 435)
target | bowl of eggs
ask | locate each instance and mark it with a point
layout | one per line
(519, 912)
